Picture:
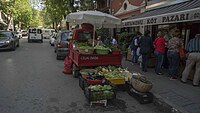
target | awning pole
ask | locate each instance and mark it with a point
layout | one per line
(93, 35)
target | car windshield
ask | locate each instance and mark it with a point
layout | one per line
(64, 36)
(4, 35)
(85, 36)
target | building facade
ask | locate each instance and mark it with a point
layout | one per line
(168, 15)
(122, 9)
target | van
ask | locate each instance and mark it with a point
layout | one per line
(35, 34)
(47, 33)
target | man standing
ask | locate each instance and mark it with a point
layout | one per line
(134, 45)
(193, 49)
(113, 41)
(146, 47)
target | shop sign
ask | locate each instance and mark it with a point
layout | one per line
(175, 18)
(134, 23)
(165, 18)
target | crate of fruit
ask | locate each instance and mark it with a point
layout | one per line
(99, 92)
(115, 77)
(116, 81)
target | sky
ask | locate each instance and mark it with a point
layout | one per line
(37, 4)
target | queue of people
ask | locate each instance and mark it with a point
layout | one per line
(169, 46)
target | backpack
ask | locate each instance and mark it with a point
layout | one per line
(134, 43)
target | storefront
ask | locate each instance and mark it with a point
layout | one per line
(184, 16)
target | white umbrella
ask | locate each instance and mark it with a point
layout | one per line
(96, 18)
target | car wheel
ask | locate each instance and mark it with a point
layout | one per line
(13, 47)
(75, 71)
(57, 57)
(18, 44)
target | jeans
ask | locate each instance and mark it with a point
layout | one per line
(159, 61)
(145, 60)
(174, 60)
(134, 56)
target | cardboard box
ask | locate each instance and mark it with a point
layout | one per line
(129, 54)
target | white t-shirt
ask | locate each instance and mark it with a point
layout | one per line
(114, 41)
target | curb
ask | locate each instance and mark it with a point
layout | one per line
(165, 106)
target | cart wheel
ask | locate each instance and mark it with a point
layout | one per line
(75, 71)
(81, 83)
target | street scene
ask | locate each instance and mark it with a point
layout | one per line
(95, 56)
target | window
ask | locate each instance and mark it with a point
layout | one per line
(125, 6)
(5, 34)
(64, 36)
(84, 36)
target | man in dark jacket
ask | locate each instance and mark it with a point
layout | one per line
(146, 47)
(134, 45)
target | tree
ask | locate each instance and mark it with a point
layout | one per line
(56, 10)
(19, 10)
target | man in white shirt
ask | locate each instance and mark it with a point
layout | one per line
(113, 41)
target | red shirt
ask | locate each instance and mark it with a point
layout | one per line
(159, 45)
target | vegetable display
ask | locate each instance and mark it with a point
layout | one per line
(101, 47)
(100, 92)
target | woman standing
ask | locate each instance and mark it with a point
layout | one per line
(159, 45)
(173, 54)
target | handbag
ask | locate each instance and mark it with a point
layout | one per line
(182, 53)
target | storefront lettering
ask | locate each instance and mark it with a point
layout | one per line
(152, 21)
(175, 18)
(196, 15)
(89, 58)
(140, 22)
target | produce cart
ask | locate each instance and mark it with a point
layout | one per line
(88, 60)
(84, 58)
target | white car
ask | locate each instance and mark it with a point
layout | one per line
(18, 34)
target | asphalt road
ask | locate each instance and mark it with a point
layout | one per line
(31, 81)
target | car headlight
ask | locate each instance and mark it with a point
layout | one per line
(7, 42)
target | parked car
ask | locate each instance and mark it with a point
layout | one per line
(61, 44)
(8, 40)
(35, 34)
(24, 33)
(18, 34)
(47, 33)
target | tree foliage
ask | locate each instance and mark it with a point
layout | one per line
(56, 10)
(20, 10)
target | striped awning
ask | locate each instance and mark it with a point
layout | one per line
(182, 12)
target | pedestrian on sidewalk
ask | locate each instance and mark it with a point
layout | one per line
(193, 49)
(159, 45)
(173, 54)
(146, 48)
(134, 45)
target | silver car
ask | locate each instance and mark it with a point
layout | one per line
(61, 44)
(8, 40)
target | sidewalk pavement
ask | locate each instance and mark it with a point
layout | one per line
(171, 96)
